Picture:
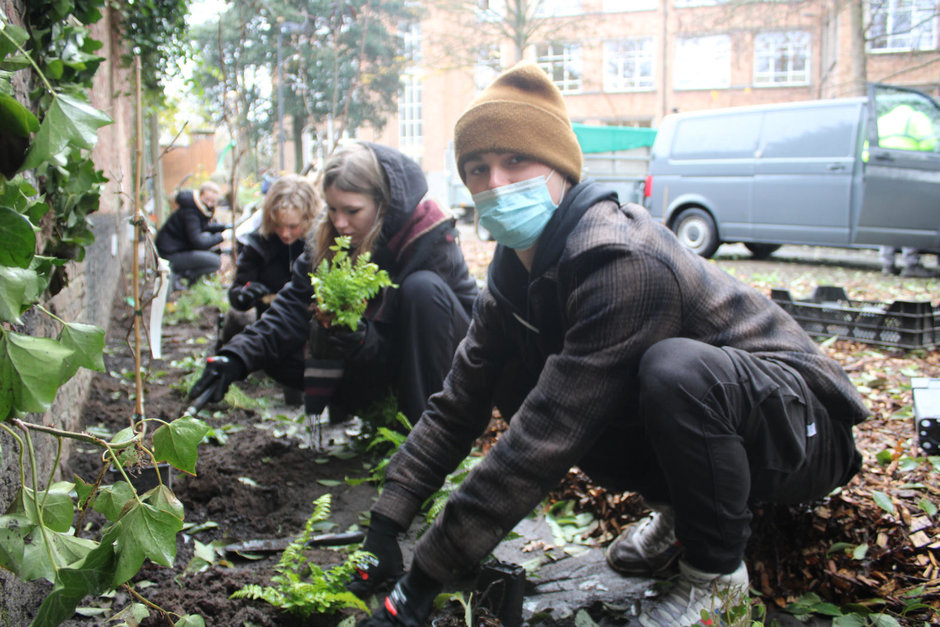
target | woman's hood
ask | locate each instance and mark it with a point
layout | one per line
(407, 185)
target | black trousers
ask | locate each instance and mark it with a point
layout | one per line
(192, 264)
(720, 428)
(427, 325)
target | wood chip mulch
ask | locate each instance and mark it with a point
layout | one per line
(848, 548)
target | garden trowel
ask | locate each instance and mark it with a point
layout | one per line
(276, 545)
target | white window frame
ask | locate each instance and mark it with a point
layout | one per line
(782, 59)
(629, 6)
(410, 119)
(488, 65)
(682, 4)
(902, 25)
(702, 62)
(629, 64)
(491, 10)
(411, 43)
(557, 8)
(562, 63)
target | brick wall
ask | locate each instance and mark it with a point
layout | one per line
(93, 285)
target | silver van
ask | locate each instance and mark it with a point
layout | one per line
(813, 172)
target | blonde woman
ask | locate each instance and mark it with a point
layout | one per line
(266, 255)
(375, 195)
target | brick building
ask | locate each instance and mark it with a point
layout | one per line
(630, 62)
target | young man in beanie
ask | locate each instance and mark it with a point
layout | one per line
(609, 346)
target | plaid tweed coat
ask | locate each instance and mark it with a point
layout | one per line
(607, 283)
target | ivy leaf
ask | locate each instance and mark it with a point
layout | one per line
(18, 122)
(190, 620)
(87, 344)
(68, 122)
(19, 239)
(82, 489)
(91, 575)
(17, 118)
(176, 442)
(14, 529)
(162, 498)
(42, 561)
(883, 501)
(112, 499)
(26, 364)
(144, 532)
(57, 506)
(11, 36)
(19, 288)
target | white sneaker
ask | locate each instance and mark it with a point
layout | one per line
(696, 591)
(647, 546)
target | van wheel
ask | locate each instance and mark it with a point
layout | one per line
(761, 251)
(696, 230)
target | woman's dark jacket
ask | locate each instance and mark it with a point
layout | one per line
(606, 284)
(265, 260)
(187, 228)
(415, 236)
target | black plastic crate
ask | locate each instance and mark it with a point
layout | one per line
(829, 312)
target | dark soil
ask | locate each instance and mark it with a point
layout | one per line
(259, 484)
(262, 481)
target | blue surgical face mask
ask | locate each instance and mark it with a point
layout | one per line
(516, 214)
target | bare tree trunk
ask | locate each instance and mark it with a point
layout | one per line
(858, 64)
(156, 163)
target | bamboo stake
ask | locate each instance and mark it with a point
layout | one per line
(138, 235)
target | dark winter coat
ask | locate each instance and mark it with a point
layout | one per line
(265, 260)
(415, 236)
(187, 228)
(566, 339)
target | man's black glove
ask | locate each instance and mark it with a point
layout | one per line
(381, 541)
(362, 344)
(215, 227)
(409, 603)
(220, 371)
(247, 296)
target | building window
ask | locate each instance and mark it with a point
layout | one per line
(702, 63)
(781, 58)
(901, 25)
(698, 3)
(562, 63)
(558, 8)
(491, 10)
(410, 131)
(623, 6)
(411, 43)
(628, 64)
(487, 66)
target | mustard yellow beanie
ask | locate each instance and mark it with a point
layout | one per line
(521, 111)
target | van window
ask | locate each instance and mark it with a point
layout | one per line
(718, 137)
(907, 120)
(787, 134)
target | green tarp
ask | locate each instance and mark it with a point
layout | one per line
(611, 138)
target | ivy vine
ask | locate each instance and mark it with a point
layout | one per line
(48, 188)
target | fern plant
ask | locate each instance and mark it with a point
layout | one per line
(304, 588)
(436, 502)
(342, 287)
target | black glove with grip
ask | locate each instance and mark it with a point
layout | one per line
(215, 227)
(247, 296)
(362, 344)
(381, 541)
(409, 603)
(220, 372)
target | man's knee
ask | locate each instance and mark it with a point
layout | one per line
(680, 362)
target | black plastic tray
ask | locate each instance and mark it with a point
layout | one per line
(829, 312)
